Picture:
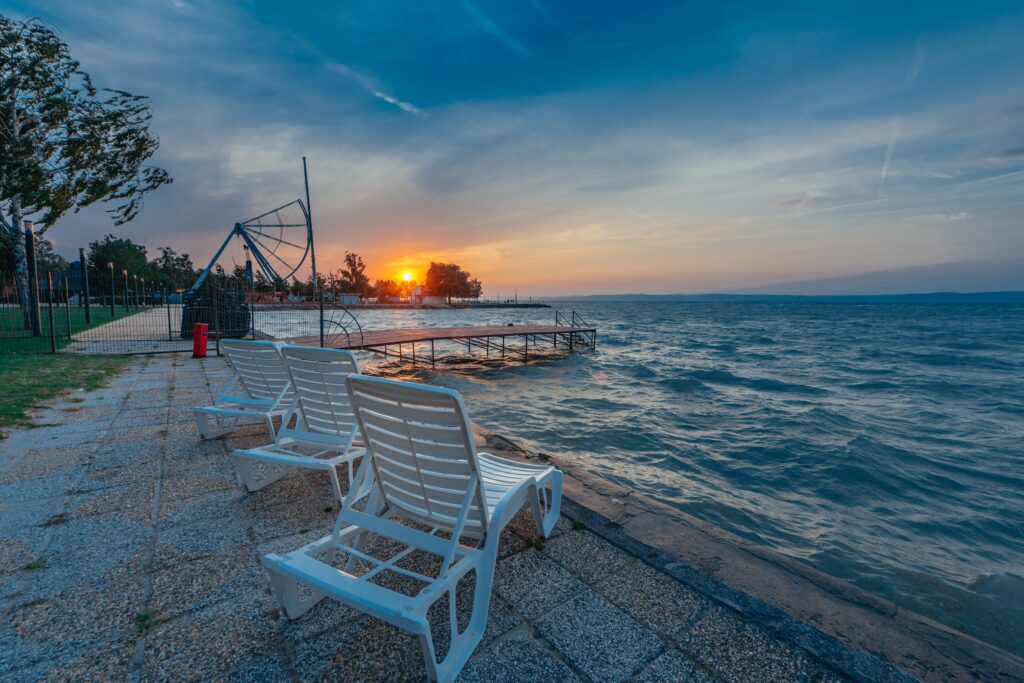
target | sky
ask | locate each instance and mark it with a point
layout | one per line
(584, 147)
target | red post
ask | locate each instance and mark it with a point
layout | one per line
(200, 338)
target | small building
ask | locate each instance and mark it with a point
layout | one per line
(420, 296)
(349, 299)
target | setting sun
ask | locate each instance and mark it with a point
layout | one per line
(407, 276)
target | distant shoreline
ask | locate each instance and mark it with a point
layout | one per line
(921, 298)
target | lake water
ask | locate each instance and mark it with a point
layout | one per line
(883, 444)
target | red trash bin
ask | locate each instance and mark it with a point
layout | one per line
(200, 337)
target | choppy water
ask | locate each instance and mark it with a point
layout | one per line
(883, 444)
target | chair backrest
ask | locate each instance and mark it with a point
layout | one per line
(421, 447)
(318, 379)
(259, 366)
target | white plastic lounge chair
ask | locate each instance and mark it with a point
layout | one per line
(324, 434)
(421, 469)
(259, 388)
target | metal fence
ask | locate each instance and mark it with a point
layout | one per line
(112, 310)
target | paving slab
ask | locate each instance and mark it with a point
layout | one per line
(598, 639)
(672, 667)
(532, 584)
(517, 659)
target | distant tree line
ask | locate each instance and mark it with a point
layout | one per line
(172, 271)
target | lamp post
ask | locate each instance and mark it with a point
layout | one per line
(111, 265)
(124, 299)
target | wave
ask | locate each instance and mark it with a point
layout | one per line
(684, 385)
(718, 376)
(875, 385)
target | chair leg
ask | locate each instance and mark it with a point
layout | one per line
(461, 645)
(546, 505)
(219, 426)
(256, 474)
(337, 486)
(294, 597)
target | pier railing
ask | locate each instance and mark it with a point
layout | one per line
(587, 336)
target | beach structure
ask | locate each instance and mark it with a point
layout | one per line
(319, 430)
(422, 488)
(420, 297)
(259, 388)
(569, 332)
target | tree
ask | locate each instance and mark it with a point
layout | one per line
(172, 269)
(261, 283)
(353, 276)
(387, 288)
(120, 251)
(47, 260)
(64, 145)
(449, 280)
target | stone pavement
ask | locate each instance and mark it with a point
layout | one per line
(128, 552)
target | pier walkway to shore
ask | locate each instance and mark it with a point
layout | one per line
(491, 339)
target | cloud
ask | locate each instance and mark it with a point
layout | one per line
(489, 26)
(893, 136)
(944, 217)
(368, 85)
(1010, 153)
(806, 202)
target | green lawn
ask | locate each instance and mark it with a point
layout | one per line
(28, 379)
(15, 339)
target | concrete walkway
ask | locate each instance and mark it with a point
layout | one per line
(128, 552)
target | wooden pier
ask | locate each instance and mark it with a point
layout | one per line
(490, 339)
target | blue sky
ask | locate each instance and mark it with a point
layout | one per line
(587, 147)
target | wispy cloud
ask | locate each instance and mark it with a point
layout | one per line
(893, 137)
(1005, 154)
(807, 202)
(943, 217)
(916, 62)
(491, 27)
(369, 86)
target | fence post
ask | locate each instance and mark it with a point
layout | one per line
(113, 314)
(216, 320)
(167, 305)
(124, 293)
(67, 304)
(49, 312)
(85, 285)
(33, 279)
(321, 317)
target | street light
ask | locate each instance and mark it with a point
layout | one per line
(111, 265)
(125, 299)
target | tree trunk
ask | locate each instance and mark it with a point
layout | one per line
(20, 264)
(18, 235)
